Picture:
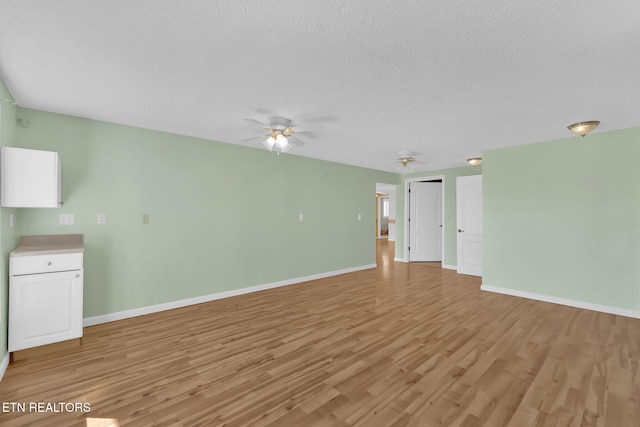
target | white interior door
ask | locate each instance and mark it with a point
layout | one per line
(469, 224)
(425, 221)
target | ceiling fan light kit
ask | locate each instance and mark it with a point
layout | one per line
(583, 128)
(279, 140)
(280, 137)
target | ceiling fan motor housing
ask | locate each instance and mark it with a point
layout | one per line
(279, 123)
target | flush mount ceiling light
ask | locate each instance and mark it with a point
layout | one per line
(474, 161)
(280, 137)
(583, 128)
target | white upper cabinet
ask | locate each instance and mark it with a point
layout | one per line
(30, 178)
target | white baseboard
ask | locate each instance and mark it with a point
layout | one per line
(4, 363)
(450, 267)
(563, 301)
(110, 317)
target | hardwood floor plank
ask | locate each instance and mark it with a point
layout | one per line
(399, 345)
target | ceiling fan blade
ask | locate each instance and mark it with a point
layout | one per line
(256, 122)
(254, 138)
(316, 117)
(296, 141)
(308, 133)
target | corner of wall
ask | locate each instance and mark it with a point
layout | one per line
(7, 234)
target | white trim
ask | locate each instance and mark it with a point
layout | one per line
(449, 266)
(4, 363)
(400, 259)
(563, 301)
(407, 181)
(110, 317)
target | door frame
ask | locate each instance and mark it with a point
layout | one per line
(407, 183)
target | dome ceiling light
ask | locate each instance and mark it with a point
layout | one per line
(583, 128)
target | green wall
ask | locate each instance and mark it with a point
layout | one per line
(222, 217)
(562, 218)
(450, 235)
(7, 235)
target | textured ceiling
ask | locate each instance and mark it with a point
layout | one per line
(444, 79)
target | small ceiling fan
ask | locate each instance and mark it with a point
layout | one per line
(405, 162)
(280, 137)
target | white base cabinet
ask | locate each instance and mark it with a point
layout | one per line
(44, 307)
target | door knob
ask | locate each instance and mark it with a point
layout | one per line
(460, 230)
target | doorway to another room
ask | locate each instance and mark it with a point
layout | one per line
(385, 206)
(424, 207)
(382, 216)
(385, 211)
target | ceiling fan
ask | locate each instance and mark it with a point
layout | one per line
(405, 162)
(280, 137)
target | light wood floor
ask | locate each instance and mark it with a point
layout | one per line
(393, 346)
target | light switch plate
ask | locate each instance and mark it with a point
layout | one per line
(300, 217)
(66, 219)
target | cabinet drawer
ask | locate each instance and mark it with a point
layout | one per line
(33, 264)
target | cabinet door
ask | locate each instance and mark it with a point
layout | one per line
(44, 308)
(30, 178)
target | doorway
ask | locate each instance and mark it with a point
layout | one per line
(424, 213)
(382, 215)
(385, 211)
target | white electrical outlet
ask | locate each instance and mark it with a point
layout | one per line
(102, 218)
(145, 218)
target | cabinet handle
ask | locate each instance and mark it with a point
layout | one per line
(48, 263)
